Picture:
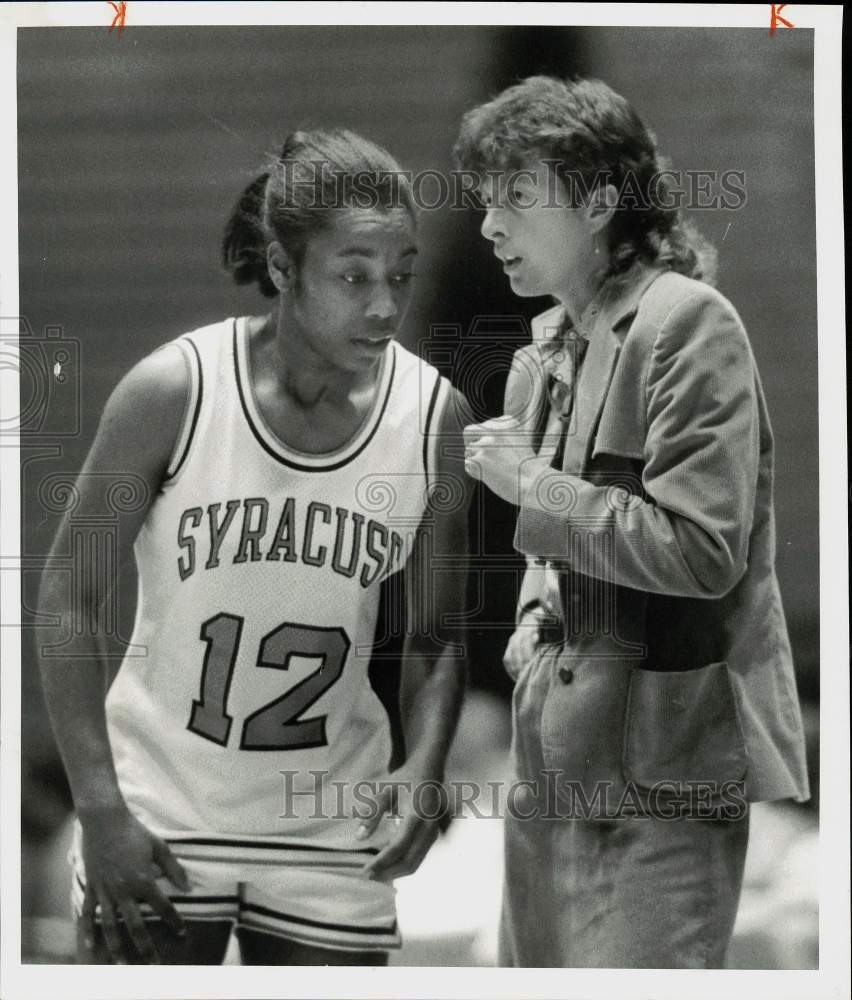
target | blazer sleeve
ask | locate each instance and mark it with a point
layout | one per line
(689, 535)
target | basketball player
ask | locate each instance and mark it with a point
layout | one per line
(291, 461)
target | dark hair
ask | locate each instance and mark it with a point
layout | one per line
(593, 135)
(317, 171)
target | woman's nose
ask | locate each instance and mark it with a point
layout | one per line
(492, 225)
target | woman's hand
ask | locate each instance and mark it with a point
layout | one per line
(539, 624)
(523, 642)
(499, 453)
(123, 859)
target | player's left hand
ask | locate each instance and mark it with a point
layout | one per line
(500, 454)
(416, 822)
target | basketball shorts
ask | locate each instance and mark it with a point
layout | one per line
(311, 895)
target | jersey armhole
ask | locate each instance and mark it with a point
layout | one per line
(431, 434)
(192, 408)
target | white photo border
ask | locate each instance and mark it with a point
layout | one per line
(69, 982)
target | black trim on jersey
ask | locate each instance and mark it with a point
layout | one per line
(183, 899)
(289, 462)
(266, 846)
(203, 899)
(195, 415)
(429, 413)
(307, 922)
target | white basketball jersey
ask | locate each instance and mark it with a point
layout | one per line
(250, 712)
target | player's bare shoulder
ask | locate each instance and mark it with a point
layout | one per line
(144, 413)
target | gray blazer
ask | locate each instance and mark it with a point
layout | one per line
(660, 525)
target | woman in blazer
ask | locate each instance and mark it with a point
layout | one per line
(637, 448)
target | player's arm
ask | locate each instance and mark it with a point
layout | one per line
(434, 657)
(135, 437)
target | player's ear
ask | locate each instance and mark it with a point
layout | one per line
(282, 269)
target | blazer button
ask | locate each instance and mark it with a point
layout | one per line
(566, 675)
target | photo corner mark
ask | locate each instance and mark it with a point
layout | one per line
(120, 15)
(775, 18)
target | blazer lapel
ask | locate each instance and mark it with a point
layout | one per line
(589, 397)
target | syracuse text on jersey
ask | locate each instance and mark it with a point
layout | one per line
(312, 535)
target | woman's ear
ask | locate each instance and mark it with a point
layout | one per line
(601, 207)
(281, 268)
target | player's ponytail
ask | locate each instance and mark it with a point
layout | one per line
(244, 243)
(317, 172)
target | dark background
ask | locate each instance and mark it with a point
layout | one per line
(133, 149)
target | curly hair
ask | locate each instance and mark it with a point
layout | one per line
(317, 171)
(591, 136)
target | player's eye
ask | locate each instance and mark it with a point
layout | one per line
(354, 278)
(403, 278)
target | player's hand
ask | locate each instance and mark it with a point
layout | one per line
(123, 859)
(416, 829)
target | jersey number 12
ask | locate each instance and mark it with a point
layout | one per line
(275, 726)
